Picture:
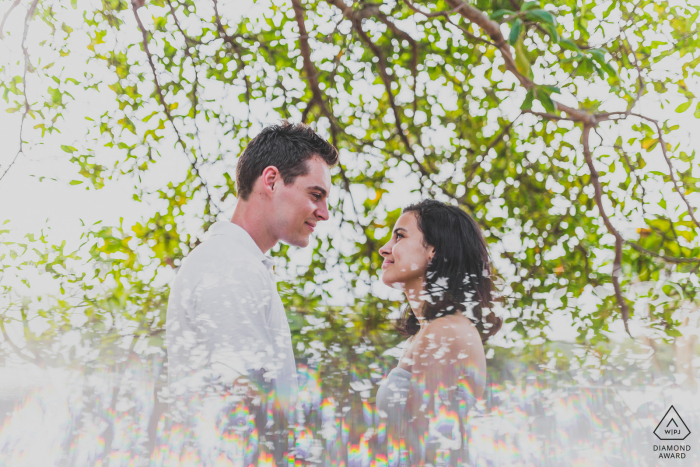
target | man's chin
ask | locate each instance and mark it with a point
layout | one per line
(300, 242)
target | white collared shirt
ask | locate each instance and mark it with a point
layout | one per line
(225, 317)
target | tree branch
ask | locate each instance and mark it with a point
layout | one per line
(18, 351)
(159, 91)
(617, 262)
(237, 55)
(356, 19)
(492, 28)
(414, 49)
(309, 68)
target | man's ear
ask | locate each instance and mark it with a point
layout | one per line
(271, 179)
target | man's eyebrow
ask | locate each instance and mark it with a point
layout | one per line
(322, 190)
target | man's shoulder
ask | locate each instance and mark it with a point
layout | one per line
(221, 250)
(217, 257)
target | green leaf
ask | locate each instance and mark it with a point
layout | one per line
(697, 111)
(501, 13)
(148, 117)
(585, 67)
(568, 44)
(529, 6)
(597, 55)
(529, 99)
(547, 102)
(541, 16)
(522, 62)
(649, 143)
(75, 182)
(606, 67)
(552, 31)
(550, 89)
(515, 32)
(683, 107)
(68, 149)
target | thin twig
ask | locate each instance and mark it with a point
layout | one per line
(664, 151)
(549, 116)
(27, 108)
(668, 259)
(640, 79)
(195, 96)
(318, 96)
(475, 165)
(161, 98)
(446, 15)
(7, 13)
(633, 170)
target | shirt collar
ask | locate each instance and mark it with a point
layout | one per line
(243, 238)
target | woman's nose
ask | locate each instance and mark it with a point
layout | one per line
(383, 251)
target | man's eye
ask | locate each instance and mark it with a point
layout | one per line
(316, 195)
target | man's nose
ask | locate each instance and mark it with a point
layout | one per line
(322, 212)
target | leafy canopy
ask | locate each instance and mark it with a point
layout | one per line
(533, 117)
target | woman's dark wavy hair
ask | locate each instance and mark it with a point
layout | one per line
(459, 275)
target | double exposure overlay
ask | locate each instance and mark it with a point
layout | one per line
(349, 233)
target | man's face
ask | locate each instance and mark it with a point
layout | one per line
(299, 206)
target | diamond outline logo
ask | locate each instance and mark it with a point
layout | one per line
(672, 421)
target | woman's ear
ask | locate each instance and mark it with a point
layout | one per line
(431, 253)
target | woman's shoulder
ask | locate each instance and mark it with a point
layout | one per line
(447, 335)
(448, 340)
(455, 326)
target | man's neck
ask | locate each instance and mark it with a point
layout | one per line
(252, 220)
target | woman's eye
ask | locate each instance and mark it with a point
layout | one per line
(398, 235)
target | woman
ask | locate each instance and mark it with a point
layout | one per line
(438, 257)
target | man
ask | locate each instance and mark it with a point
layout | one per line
(225, 320)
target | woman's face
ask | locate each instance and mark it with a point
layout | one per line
(406, 257)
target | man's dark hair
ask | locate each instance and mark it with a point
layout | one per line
(287, 146)
(459, 275)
